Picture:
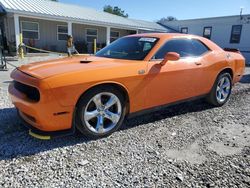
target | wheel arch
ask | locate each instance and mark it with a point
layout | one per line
(120, 87)
(211, 95)
(227, 70)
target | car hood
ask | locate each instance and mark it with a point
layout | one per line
(52, 68)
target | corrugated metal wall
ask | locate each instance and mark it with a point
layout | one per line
(48, 34)
(79, 32)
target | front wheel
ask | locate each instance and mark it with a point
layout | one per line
(221, 90)
(100, 112)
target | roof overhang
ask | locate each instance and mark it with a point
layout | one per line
(78, 21)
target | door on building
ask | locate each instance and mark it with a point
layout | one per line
(91, 37)
(3, 40)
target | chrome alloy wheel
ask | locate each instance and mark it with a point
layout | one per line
(223, 89)
(103, 112)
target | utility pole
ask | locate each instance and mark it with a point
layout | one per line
(241, 12)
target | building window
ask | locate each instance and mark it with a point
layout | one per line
(62, 32)
(91, 35)
(30, 30)
(207, 32)
(114, 35)
(184, 30)
(236, 34)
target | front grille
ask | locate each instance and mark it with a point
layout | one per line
(31, 92)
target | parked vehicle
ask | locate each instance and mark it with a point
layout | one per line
(134, 74)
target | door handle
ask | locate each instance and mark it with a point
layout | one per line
(198, 63)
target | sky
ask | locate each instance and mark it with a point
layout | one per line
(153, 10)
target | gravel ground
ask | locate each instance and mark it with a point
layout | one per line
(188, 145)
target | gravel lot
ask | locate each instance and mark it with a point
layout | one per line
(188, 145)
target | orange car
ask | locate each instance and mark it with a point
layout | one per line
(135, 73)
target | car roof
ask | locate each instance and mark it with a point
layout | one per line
(166, 35)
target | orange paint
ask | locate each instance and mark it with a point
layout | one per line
(148, 84)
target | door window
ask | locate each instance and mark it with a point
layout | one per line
(184, 47)
(91, 35)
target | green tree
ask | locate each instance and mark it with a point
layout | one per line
(167, 19)
(115, 10)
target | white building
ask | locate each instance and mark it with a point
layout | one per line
(227, 32)
(46, 24)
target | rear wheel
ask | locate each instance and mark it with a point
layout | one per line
(100, 112)
(221, 90)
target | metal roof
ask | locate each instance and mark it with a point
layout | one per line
(69, 12)
(214, 18)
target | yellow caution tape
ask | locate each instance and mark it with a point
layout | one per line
(47, 51)
(41, 50)
(39, 136)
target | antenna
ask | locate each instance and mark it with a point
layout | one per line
(241, 12)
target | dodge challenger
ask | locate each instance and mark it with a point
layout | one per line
(134, 74)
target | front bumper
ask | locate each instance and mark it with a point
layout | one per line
(45, 115)
(42, 135)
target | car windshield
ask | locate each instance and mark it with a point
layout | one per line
(130, 48)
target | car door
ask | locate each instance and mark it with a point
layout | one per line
(176, 80)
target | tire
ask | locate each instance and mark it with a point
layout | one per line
(94, 118)
(221, 90)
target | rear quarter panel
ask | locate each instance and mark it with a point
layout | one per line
(237, 62)
(221, 60)
(217, 62)
(213, 63)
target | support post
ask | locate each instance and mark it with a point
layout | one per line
(95, 47)
(3, 64)
(70, 29)
(17, 31)
(21, 46)
(108, 36)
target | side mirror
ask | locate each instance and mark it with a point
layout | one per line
(170, 56)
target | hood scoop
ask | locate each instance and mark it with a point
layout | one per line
(85, 61)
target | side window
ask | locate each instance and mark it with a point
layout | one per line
(178, 46)
(199, 48)
(184, 47)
